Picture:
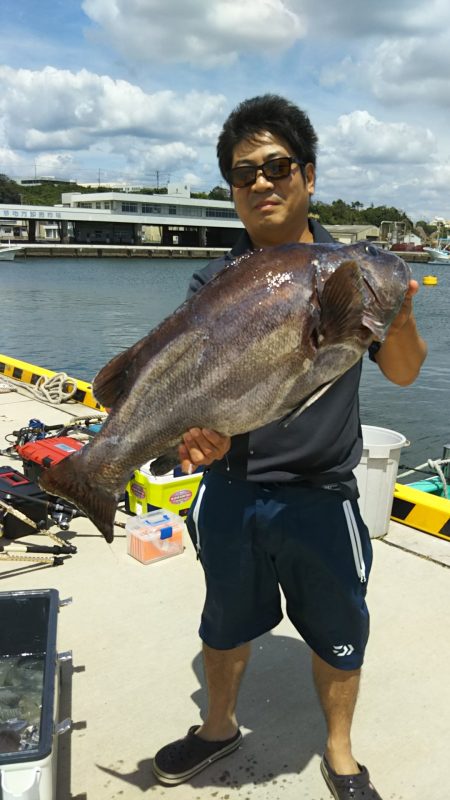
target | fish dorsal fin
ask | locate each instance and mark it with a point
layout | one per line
(115, 378)
(342, 303)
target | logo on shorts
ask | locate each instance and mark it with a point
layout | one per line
(343, 649)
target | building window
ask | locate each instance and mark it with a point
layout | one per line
(107, 205)
(218, 212)
(147, 208)
(190, 211)
(130, 208)
(172, 210)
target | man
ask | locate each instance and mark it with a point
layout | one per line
(278, 507)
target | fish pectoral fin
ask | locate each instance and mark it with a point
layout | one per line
(342, 304)
(285, 421)
(155, 351)
(115, 378)
(165, 463)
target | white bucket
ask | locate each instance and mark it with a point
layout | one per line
(376, 475)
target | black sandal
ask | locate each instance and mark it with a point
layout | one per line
(349, 787)
(184, 758)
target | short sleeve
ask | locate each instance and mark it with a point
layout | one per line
(373, 350)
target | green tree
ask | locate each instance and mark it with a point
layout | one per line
(375, 215)
(421, 225)
(219, 193)
(49, 194)
(9, 190)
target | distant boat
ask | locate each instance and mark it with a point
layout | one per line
(440, 253)
(8, 252)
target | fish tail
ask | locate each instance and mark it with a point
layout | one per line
(70, 481)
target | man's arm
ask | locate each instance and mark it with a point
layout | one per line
(403, 352)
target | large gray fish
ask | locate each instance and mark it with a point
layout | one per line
(261, 341)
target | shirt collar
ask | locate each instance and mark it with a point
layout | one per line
(244, 243)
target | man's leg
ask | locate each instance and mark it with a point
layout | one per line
(219, 736)
(223, 670)
(338, 691)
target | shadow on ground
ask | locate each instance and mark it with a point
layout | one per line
(279, 708)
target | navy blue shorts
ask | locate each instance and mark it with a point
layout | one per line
(255, 539)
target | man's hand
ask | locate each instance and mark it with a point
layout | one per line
(201, 447)
(406, 310)
(403, 351)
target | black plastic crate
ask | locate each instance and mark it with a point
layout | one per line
(25, 496)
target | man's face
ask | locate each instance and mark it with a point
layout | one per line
(273, 211)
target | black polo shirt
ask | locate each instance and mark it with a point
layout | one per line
(322, 446)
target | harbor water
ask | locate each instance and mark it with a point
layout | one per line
(73, 315)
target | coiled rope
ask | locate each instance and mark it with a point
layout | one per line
(6, 386)
(436, 466)
(19, 515)
(58, 388)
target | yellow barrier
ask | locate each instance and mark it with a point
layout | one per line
(29, 373)
(421, 510)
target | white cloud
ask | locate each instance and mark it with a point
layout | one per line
(348, 19)
(167, 157)
(360, 137)
(333, 74)
(203, 32)
(80, 108)
(365, 159)
(128, 92)
(9, 161)
(397, 69)
(61, 165)
(413, 70)
(192, 179)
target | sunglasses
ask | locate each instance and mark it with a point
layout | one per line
(273, 170)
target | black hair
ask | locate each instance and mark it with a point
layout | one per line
(268, 112)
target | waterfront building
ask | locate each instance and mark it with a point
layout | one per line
(134, 218)
(172, 219)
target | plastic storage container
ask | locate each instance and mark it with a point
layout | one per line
(28, 631)
(376, 475)
(146, 492)
(154, 536)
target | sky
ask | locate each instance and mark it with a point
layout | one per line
(136, 91)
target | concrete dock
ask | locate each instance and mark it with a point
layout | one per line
(74, 250)
(147, 250)
(137, 680)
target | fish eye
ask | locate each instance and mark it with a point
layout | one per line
(372, 250)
